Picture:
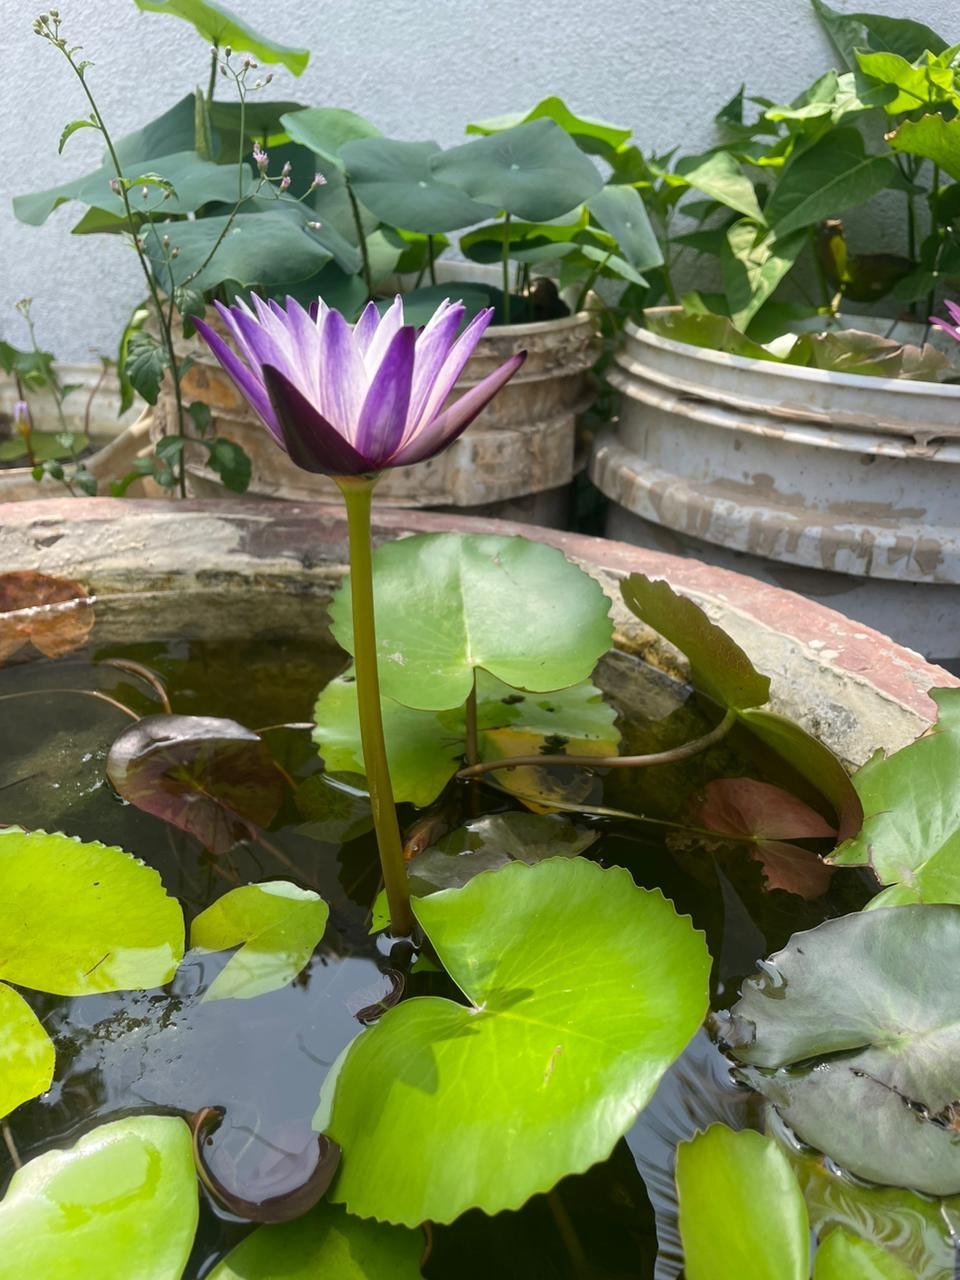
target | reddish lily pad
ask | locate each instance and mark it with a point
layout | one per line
(54, 614)
(208, 776)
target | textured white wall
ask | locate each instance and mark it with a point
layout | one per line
(418, 68)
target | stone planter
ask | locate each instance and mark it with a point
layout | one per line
(517, 458)
(110, 463)
(843, 487)
(188, 568)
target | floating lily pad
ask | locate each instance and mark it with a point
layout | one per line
(326, 1242)
(855, 1018)
(425, 748)
(769, 817)
(742, 1215)
(844, 1256)
(208, 776)
(276, 926)
(911, 801)
(442, 600)
(76, 918)
(55, 615)
(26, 1052)
(120, 1203)
(534, 171)
(540, 1073)
(394, 180)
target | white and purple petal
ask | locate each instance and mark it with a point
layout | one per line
(384, 414)
(343, 378)
(247, 381)
(453, 366)
(312, 442)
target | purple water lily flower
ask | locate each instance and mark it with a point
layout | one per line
(347, 401)
(952, 329)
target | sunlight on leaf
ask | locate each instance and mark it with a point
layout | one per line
(26, 1052)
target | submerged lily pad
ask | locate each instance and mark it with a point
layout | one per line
(120, 1203)
(856, 1018)
(328, 1243)
(425, 748)
(275, 924)
(76, 917)
(208, 776)
(442, 600)
(742, 1215)
(27, 1055)
(911, 801)
(540, 1073)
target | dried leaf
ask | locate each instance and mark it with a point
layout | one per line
(54, 614)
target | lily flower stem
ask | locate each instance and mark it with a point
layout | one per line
(357, 494)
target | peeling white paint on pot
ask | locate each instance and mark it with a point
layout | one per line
(841, 486)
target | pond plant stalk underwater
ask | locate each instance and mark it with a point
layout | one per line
(520, 957)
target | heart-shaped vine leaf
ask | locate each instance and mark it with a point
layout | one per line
(533, 171)
(769, 816)
(911, 802)
(425, 748)
(540, 1073)
(484, 844)
(742, 1214)
(120, 1203)
(55, 615)
(27, 1055)
(442, 600)
(294, 1170)
(844, 1256)
(326, 1242)
(276, 926)
(855, 1018)
(77, 918)
(394, 180)
(210, 777)
(718, 665)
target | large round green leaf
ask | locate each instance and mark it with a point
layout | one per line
(120, 1204)
(220, 26)
(853, 1032)
(621, 211)
(598, 137)
(325, 1244)
(582, 989)
(533, 171)
(394, 180)
(26, 1052)
(447, 604)
(742, 1215)
(844, 1256)
(77, 918)
(425, 748)
(325, 130)
(275, 924)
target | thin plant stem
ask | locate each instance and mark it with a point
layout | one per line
(11, 1145)
(568, 1234)
(938, 232)
(588, 283)
(431, 258)
(357, 493)
(82, 693)
(212, 82)
(470, 717)
(88, 411)
(361, 239)
(142, 673)
(671, 756)
(505, 263)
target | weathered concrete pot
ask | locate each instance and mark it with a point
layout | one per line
(108, 464)
(843, 487)
(521, 445)
(93, 387)
(162, 569)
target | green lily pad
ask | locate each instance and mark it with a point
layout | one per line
(215, 24)
(854, 1018)
(911, 802)
(742, 1214)
(325, 130)
(425, 748)
(27, 1055)
(441, 603)
(394, 180)
(76, 918)
(276, 925)
(328, 1243)
(484, 844)
(120, 1203)
(533, 171)
(540, 1073)
(598, 137)
(842, 1256)
(718, 665)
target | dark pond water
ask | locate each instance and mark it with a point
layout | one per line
(264, 1060)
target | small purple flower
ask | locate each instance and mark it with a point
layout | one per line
(284, 182)
(945, 325)
(21, 417)
(260, 157)
(347, 401)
